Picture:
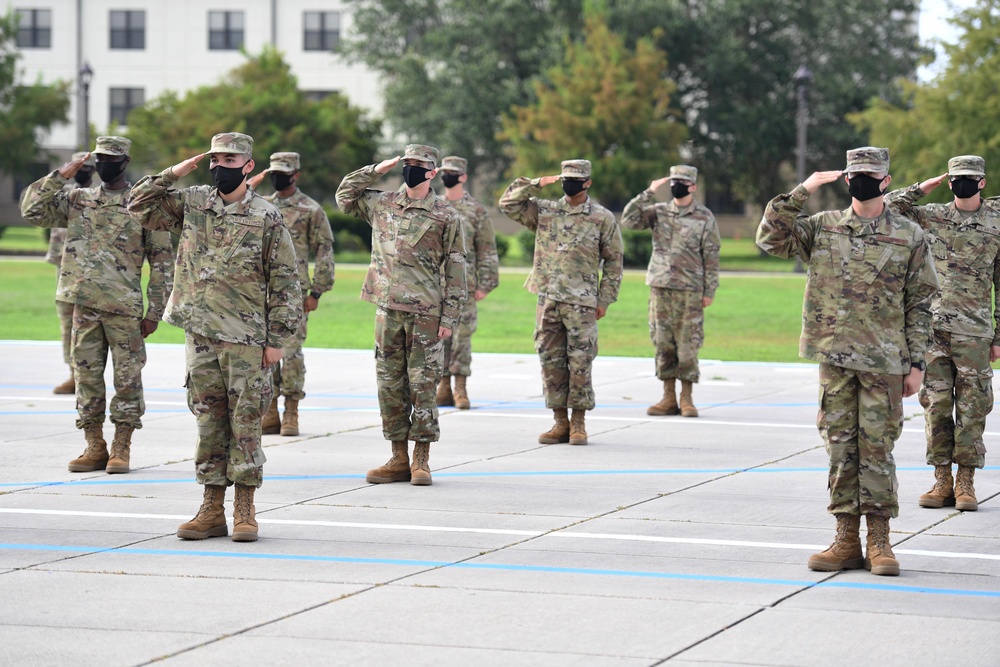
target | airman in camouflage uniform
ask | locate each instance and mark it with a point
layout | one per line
(311, 233)
(54, 255)
(866, 319)
(100, 275)
(482, 270)
(417, 282)
(957, 392)
(236, 295)
(573, 236)
(683, 275)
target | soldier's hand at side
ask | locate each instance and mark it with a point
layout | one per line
(601, 312)
(257, 179)
(384, 166)
(820, 178)
(480, 295)
(655, 185)
(69, 169)
(147, 327)
(310, 303)
(548, 180)
(911, 383)
(272, 355)
(994, 353)
(184, 168)
(932, 183)
(444, 332)
(706, 301)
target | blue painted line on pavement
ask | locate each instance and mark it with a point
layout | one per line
(132, 551)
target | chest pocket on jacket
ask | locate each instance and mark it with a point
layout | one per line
(412, 234)
(231, 237)
(885, 260)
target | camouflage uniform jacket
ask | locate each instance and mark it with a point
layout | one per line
(867, 299)
(570, 243)
(236, 277)
(685, 243)
(102, 260)
(418, 248)
(311, 234)
(966, 252)
(481, 262)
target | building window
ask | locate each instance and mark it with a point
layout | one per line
(34, 28)
(321, 31)
(225, 31)
(128, 30)
(122, 101)
(317, 95)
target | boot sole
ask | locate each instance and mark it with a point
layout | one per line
(116, 470)
(463, 406)
(933, 503)
(271, 431)
(662, 413)
(244, 537)
(850, 564)
(578, 441)
(883, 570)
(421, 482)
(85, 468)
(288, 432)
(371, 479)
(553, 441)
(217, 531)
(967, 507)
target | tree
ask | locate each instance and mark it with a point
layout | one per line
(452, 68)
(26, 111)
(604, 103)
(260, 98)
(951, 115)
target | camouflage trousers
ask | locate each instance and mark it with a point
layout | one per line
(227, 392)
(289, 377)
(676, 327)
(566, 342)
(95, 333)
(408, 359)
(65, 312)
(458, 348)
(860, 418)
(957, 394)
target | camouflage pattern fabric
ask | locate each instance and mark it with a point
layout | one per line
(65, 312)
(966, 252)
(570, 244)
(566, 342)
(677, 329)
(957, 395)
(458, 348)
(102, 261)
(227, 392)
(95, 332)
(57, 243)
(868, 295)
(860, 418)
(408, 358)
(418, 248)
(289, 378)
(311, 235)
(236, 278)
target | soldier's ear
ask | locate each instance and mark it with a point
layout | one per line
(250, 163)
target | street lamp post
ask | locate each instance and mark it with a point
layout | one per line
(802, 79)
(86, 76)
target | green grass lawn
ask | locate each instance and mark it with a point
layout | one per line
(752, 319)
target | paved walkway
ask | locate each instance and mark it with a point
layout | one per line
(666, 541)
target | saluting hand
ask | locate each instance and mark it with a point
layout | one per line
(548, 180)
(932, 183)
(820, 178)
(655, 185)
(256, 179)
(184, 168)
(69, 169)
(384, 166)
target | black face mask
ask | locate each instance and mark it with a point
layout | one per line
(965, 186)
(450, 179)
(864, 187)
(110, 171)
(680, 190)
(279, 179)
(83, 176)
(227, 179)
(572, 186)
(414, 175)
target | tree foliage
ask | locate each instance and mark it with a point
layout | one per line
(260, 98)
(605, 103)
(953, 114)
(26, 110)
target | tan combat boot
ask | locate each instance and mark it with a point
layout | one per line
(443, 397)
(878, 554)
(396, 469)
(668, 405)
(120, 446)
(290, 418)
(271, 422)
(67, 387)
(559, 431)
(420, 471)
(965, 492)
(244, 521)
(845, 552)
(578, 428)
(942, 493)
(210, 521)
(687, 405)
(95, 457)
(461, 395)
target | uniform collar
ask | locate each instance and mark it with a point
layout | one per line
(241, 207)
(564, 205)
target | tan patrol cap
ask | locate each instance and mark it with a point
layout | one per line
(575, 169)
(112, 146)
(422, 153)
(232, 142)
(868, 159)
(286, 162)
(967, 165)
(82, 154)
(455, 163)
(684, 172)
